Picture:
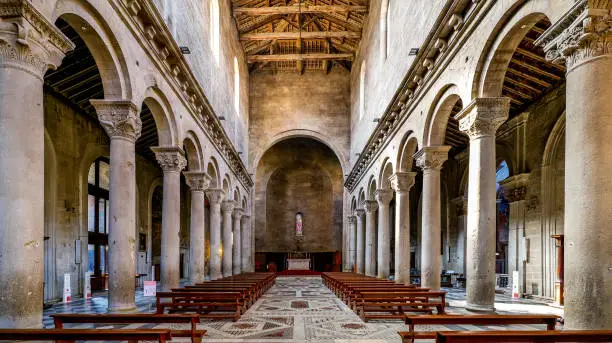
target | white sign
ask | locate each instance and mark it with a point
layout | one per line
(150, 288)
(67, 291)
(515, 284)
(87, 286)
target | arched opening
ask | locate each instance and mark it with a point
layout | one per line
(156, 229)
(502, 220)
(298, 175)
(362, 85)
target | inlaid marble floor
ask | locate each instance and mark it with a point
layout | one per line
(301, 309)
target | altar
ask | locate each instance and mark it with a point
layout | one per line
(298, 264)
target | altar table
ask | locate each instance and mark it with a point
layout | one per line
(298, 264)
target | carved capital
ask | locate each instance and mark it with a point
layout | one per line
(483, 116)
(228, 206)
(432, 158)
(197, 181)
(120, 118)
(383, 196)
(215, 196)
(28, 41)
(370, 206)
(170, 158)
(402, 181)
(360, 212)
(351, 220)
(515, 187)
(583, 33)
(238, 212)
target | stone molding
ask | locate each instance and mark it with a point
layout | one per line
(370, 206)
(383, 196)
(402, 182)
(360, 212)
(228, 206)
(583, 33)
(483, 116)
(237, 213)
(352, 219)
(215, 196)
(515, 187)
(28, 40)
(432, 157)
(148, 26)
(119, 118)
(170, 158)
(197, 181)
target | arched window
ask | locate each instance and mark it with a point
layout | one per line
(362, 76)
(214, 29)
(384, 28)
(236, 87)
(98, 184)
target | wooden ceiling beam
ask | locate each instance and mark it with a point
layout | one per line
(255, 11)
(260, 23)
(297, 35)
(299, 57)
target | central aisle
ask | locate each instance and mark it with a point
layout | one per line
(301, 309)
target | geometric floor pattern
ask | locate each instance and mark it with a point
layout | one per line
(300, 309)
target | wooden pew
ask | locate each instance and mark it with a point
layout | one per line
(479, 319)
(192, 319)
(396, 303)
(207, 304)
(524, 336)
(73, 335)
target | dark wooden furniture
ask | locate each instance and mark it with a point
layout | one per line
(523, 336)
(73, 335)
(393, 305)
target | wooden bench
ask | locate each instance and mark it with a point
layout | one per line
(192, 319)
(352, 295)
(484, 319)
(73, 335)
(524, 336)
(203, 303)
(395, 304)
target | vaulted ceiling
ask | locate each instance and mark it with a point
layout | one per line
(300, 35)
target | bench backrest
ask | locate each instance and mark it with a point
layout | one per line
(524, 336)
(160, 335)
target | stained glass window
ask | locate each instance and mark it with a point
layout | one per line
(299, 224)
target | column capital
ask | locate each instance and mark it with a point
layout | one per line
(119, 118)
(515, 187)
(228, 206)
(170, 158)
(215, 196)
(432, 157)
(462, 205)
(583, 33)
(237, 213)
(383, 196)
(197, 181)
(352, 219)
(402, 181)
(483, 116)
(28, 40)
(360, 212)
(370, 206)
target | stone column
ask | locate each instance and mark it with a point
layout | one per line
(236, 241)
(198, 182)
(245, 237)
(370, 237)
(352, 242)
(215, 196)
(461, 203)
(227, 208)
(383, 197)
(121, 121)
(360, 240)
(30, 46)
(401, 183)
(583, 39)
(430, 159)
(480, 120)
(172, 161)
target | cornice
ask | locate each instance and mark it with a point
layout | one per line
(441, 42)
(146, 23)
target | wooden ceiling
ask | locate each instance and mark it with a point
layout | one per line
(300, 35)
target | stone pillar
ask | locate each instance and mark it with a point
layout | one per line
(583, 39)
(245, 237)
(227, 208)
(215, 196)
(383, 197)
(172, 161)
(360, 240)
(121, 121)
(461, 203)
(430, 159)
(198, 182)
(237, 242)
(480, 120)
(352, 242)
(30, 46)
(370, 237)
(401, 183)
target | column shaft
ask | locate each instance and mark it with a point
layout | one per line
(383, 197)
(245, 231)
(360, 239)
(197, 236)
(401, 183)
(215, 196)
(226, 256)
(237, 242)
(352, 242)
(370, 237)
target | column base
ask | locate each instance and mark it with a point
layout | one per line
(480, 308)
(128, 308)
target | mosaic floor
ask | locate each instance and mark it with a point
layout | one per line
(301, 309)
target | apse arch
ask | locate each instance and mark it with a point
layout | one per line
(439, 115)
(100, 40)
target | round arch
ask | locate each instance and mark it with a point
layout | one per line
(361, 197)
(212, 169)
(163, 116)
(372, 186)
(555, 138)
(439, 114)
(386, 171)
(405, 156)
(193, 150)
